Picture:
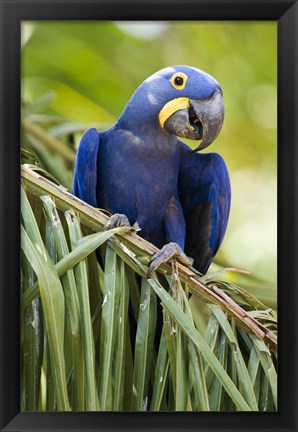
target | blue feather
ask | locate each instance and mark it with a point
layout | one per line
(139, 169)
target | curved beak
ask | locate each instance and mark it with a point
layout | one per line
(203, 120)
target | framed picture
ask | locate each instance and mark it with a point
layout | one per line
(90, 338)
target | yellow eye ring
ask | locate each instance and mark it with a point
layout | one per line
(178, 80)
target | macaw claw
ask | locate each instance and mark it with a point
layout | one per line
(117, 220)
(170, 250)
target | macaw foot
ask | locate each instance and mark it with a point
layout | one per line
(170, 250)
(117, 220)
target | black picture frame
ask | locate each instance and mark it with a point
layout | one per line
(12, 13)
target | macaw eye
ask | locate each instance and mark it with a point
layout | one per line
(178, 80)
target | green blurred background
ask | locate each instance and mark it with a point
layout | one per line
(81, 74)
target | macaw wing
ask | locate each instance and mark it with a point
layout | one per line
(85, 173)
(205, 196)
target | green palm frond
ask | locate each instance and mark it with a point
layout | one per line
(78, 352)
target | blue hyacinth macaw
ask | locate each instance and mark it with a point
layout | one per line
(139, 170)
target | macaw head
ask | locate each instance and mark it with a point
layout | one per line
(179, 100)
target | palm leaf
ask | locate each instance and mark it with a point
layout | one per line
(99, 332)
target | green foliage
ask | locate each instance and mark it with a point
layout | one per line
(82, 355)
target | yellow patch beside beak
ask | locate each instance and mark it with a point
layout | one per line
(171, 107)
